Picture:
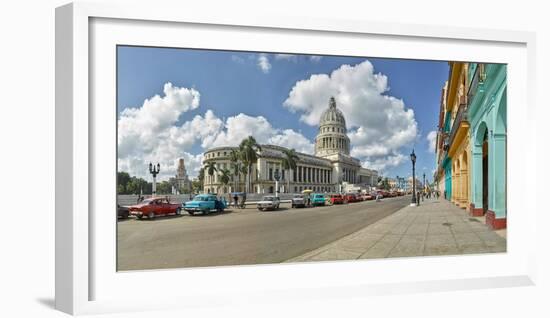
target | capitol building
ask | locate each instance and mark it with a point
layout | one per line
(330, 169)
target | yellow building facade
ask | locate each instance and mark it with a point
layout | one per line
(458, 138)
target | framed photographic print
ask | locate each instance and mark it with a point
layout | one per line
(253, 156)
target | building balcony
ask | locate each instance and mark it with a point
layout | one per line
(477, 81)
(460, 127)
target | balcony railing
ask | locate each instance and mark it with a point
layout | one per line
(461, 116)
(477, 79)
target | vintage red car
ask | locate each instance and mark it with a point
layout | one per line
(336, 199)
(154, 207)
(367, 196)
(351, 197)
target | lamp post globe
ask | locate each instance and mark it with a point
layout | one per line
(413, 160)
(154, 170)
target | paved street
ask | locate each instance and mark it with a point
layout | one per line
(437, 227)
(245, 236)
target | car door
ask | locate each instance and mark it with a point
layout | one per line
(165, 206)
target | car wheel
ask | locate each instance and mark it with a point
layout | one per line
(205, 212)
(178, 211)
(139, 216)
(219, 210)
(151, 215)
(191, 213)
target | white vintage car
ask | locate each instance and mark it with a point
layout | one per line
(269, 202)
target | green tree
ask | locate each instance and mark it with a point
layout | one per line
(122, 182)
(200, 179)
(249, 149)
(210, 168)
(385, 184)
(164, 187)
(196, 186)
(224, 177)
(290, 160)
(244, 171)
(235, 157)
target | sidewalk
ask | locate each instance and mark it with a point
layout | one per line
(436, 227)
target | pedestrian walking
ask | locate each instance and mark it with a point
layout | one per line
(236, 199)
(417, 198)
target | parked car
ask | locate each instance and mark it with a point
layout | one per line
(336, 199)
(383, 194)
(317, 199)
(154, 207)
(122, 212)
(368, 196)
(350, 197)
(204, 203)
(298, 201)
(269, 202)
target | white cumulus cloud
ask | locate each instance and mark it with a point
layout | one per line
(315, 58)
(378, 123)
(287, 57)
(263, 63)
(241, 126)
(154, 133)
(148, 133)
(431, 137)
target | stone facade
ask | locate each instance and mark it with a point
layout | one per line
(487, 113)
(180, 182)
(471, 141)
(326, 171)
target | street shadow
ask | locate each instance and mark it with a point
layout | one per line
(47, 302)
(159, 218)
(211, 214)
(278, 210)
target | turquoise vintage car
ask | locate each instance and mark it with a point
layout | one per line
(317, 199)
(204, 203)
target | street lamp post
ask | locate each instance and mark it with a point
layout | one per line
(154, 170)
(276, 177)
(413, 159)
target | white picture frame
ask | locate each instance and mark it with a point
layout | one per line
(84, 285)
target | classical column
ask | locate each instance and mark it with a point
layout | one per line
(496, 216)
(464, 183)
(476, 181)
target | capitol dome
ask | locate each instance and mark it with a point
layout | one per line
(333, 115)
(332, 136)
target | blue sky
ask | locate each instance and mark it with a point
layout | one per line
(232, 82)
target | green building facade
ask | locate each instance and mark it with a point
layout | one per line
(487, 117)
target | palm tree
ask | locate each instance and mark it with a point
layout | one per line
(210, 168)
(244, 171)
(234, 157)
(249, 149)
(224, 177)
(289, 163)
(201, 178)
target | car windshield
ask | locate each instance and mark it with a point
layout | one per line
(269, 198)
(298, 196)
(201, 198)
(146, 201)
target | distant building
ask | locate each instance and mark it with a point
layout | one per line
(328, 170)
(181, 183)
